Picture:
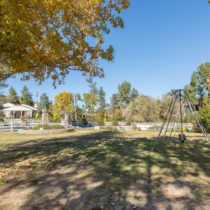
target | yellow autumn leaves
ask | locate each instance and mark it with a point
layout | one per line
(48, 38)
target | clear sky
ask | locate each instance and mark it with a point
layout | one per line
(162, 43)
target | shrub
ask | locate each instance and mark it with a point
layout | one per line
(205, 115)
(115, 123)
(100, 123)
(111, 128)
(46, 127)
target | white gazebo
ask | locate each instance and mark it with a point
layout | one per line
(18, 111)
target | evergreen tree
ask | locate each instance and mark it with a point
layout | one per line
(124, 93)
(114, 102)
(198, 87)
(101, 99)
(26, 97)
(192, 88)
(44, 102)
(12, 96)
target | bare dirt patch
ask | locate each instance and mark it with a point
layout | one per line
(112, 170)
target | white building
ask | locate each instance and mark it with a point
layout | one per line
(17, 111)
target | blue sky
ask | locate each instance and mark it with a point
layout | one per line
(162, 43)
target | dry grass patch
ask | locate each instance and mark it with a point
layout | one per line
(114, 170)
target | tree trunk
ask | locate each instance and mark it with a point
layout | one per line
(45, 118)
(66, 118)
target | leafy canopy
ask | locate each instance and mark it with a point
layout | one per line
(90, 100)
(198, 87)
(63, 103)
(204, 113)
(143, 109)
(48, 38)
(124, 96)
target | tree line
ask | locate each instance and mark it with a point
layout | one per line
(199, 91)
(125, 105)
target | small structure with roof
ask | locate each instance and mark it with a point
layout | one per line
(17, 111)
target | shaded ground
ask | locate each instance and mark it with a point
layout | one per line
(118, 171)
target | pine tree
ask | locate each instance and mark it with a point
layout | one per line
(12, 96)
(101, 99)
(26, 97)
(44, 102)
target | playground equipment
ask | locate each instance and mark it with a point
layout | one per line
(185, 104)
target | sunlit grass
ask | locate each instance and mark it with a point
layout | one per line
(108, 168)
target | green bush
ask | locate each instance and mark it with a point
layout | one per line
(100, 123)
(204, 113)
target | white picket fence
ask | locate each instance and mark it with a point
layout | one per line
(16, 124)
(146, 126)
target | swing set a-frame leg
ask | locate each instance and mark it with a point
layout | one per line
(203, 130)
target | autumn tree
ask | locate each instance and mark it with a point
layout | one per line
(90, 103)
(63, 105)
(12, 96)
(26, 96)
(143, 109)
(44, 39)
(117, 116)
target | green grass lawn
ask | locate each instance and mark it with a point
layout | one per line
(113, 170)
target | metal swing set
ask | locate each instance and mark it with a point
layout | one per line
(185, 104)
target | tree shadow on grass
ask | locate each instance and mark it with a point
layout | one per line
(112, 171)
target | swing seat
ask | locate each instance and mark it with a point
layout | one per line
(182, 137)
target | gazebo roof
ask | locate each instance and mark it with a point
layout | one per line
(29, 107)
(17, 108)
(7, 105)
